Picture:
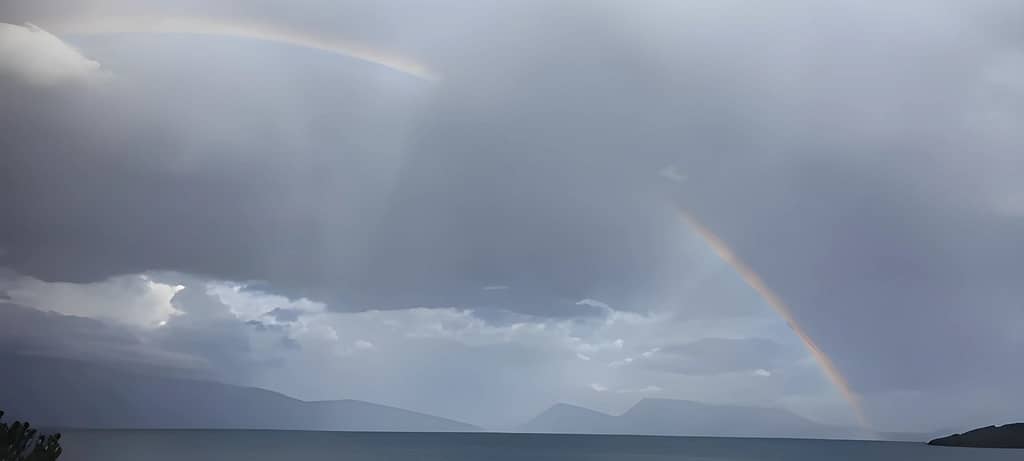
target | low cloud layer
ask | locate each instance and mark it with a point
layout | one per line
(222, 331)
(711, 356)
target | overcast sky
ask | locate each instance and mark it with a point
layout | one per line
(506, 233)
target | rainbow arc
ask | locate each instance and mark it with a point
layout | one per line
(757, 283)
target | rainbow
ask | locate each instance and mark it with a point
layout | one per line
(250, 30)
(773, 300)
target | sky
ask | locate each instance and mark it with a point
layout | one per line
(476, 209)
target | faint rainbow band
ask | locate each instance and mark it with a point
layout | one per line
(754, 281)
(250, 30)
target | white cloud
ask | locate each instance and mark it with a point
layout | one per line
(248, 304)
(672, 174)
(583, 356)
(598, 387)
(642, 390)
(363, 345)
(593, 303)
(628, 360)
(762, 372)
(621, 363)
(586, 347)
(130, 299)
(651, 352)
(37, 57)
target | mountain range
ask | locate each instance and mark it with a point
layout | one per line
(66, 393)
(75, 394)
(654, 416)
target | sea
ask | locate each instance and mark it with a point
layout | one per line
(262, 445)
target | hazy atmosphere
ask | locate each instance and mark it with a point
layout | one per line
(478, 209)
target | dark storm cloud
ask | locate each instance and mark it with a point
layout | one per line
(232, 348)
(30, 332)
(479, 190)
(862, 158)
(203, 342)
(869, 260)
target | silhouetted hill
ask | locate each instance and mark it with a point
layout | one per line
(1005, 436)
(683, 417)
(67, 393)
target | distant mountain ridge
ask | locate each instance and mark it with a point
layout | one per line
(49, 392)
(655, 416)
(571, 419)
(65, 393)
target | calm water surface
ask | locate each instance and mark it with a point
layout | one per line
(160, 445)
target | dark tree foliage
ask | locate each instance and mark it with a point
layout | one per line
(18, 442)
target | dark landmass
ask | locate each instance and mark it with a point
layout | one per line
(1005, 436)
(687, 418)
(63, 393)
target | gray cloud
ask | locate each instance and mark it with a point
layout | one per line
(711, 356)
(863, 158)
(27, 331)
(404, 238)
